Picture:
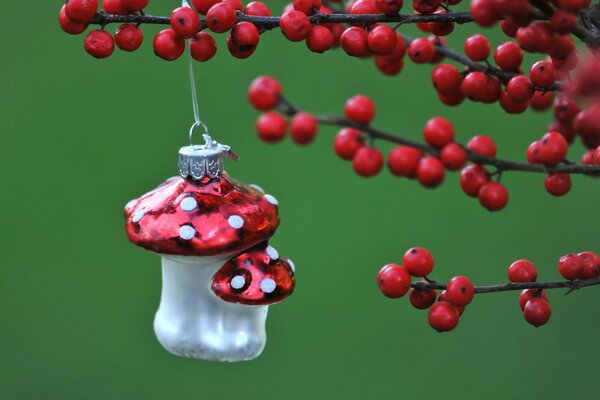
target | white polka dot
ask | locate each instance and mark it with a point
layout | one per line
(238, 282)
(268, 285)
(292, 266)
(235, 221)
(272, 253)
(271, 199)
(188, 204)
(137, 217)
(130, 204)
(256, 187)
(187, 232)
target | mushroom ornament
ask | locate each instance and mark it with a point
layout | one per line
(219, 273)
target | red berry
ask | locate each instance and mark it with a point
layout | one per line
(477, 47)
(459, 291)
(572, 5)
(511, 106)
(508, 56)
(493, 196)
(591, 265)
(303, 128)
(367, 161)
(430, 172)
(441, 28)
(388, 67)
(558, 184)
(295, 25)
(271, 127)
(134, 5)
(308, 7)
(245, 37)
(264, 93)
(541, 101)
(393, 281)
(354, 41)
(453, 156)
(202, 6)
(565, 108)
(418, 261)
(483, 145)
(319, 39)
(363, 7)
(220, 17)
(484, 12)
(403, 161)
(537, 311)
(203, 47)
(446, 79)
(257, 8)
(570, 266)
(528, 294)
(478, 86)
(129, 37)
(472, 178)
(235, 4)
(438, 132)
(426, 6)
(360, 108)
(185, 22)
(520, 88)
(99, 44)
(421, 50)
(422, 298)
(389, 7)
(542, 74)
(443, 316)
(114, 7)
(382, 40)
(347, 142)
(522, 271)
(167, 45)
(81, 11)
(562, 21)
(74, 28)
(452, 99)
(552, 149)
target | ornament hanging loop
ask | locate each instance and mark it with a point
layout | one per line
(207, 138)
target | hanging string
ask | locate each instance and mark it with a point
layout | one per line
(197, 120)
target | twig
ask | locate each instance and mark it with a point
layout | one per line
(571, 285)
(504, 165)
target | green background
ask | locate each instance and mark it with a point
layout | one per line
(81, 137)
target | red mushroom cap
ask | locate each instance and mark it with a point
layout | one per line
(256, 277)
(202, 217)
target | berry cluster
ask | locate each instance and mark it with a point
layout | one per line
(425, 163)
(395, 281)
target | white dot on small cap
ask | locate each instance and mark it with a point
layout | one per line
(188, 204)
(292, 265)
(256, 187)
(137, 217)
(235, 221)
(268, 285)
(238, 282)
(272, 253)
(271, 199)
(187, 232)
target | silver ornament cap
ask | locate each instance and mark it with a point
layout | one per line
(198, 161)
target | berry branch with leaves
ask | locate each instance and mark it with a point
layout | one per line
(565, 79)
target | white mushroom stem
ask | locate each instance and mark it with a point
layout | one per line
(192, 321)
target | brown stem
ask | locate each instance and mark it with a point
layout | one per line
(502, 165)
(572, 285)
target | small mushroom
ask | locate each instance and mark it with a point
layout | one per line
(256, 277)
(200, 223)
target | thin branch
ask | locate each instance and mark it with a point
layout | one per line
(103, 18)
(503, 165)
(571, 285)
